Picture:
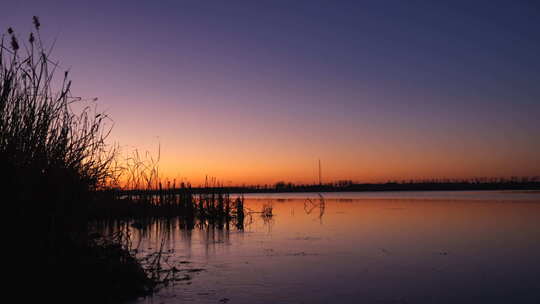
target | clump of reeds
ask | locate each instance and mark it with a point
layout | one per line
(267, 209)
(204, 209)
(48, 151)
(52, 159)
(145, 194)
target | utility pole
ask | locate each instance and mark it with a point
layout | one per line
(320, 173)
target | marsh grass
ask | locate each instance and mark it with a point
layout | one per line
(53, 161)
(208, 208)
(57, 173)
(51, 157)
(144, 194)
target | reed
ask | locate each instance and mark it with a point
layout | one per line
(53, 160)
(51, 156)
(211, 208)
(58, 172)
(143, 193)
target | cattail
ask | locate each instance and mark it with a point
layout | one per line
(31, 39)
(14, 43)
(35, 20)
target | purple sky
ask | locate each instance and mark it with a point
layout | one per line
(257, 91)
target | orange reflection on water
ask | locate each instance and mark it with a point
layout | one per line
(442, 250)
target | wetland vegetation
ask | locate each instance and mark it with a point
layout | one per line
(57, 169)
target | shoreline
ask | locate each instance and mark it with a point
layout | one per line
(357, 188)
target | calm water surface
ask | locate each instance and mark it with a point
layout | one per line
(390, 247)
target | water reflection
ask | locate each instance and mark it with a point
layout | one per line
(310, 205)
(346, 250)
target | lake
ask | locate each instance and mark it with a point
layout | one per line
(387, 247)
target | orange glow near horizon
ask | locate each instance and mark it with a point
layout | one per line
(261, 161)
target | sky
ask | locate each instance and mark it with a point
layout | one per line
(259, 91)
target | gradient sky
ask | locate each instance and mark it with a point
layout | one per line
(257, 91)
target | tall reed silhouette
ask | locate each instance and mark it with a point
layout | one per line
(52, 159)
(57, 171)
(47, 150)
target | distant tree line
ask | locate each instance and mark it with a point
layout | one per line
(477, 183)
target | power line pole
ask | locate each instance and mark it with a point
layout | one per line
(320, 173)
